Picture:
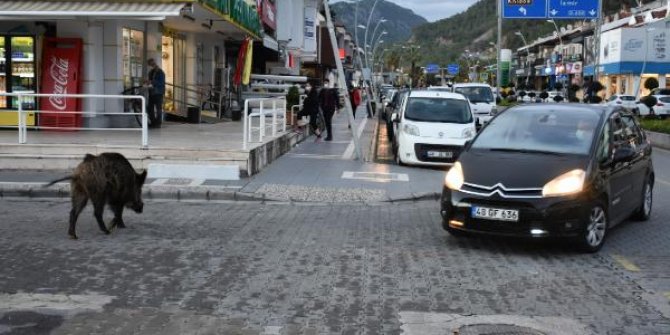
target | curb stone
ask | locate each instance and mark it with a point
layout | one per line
(196, 193)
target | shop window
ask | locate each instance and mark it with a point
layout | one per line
(133, 57)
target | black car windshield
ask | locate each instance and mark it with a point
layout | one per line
(476, 94)
(438, 110)
(549, 131)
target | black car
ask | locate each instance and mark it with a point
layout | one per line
(551, 170)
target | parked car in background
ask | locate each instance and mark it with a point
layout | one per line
(432, 128)
(394, 107)
(662, 107)
(626, 101)
(561, 170)
(481, 98)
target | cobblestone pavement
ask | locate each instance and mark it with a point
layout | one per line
(243, 268)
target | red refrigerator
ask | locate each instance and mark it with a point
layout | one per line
(61, 73)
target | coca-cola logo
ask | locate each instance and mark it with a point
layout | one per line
(58, 72)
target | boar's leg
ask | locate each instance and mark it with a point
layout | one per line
(118, 216)
(98, 210)
(79, 200)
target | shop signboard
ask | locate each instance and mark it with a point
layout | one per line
(269, 15)
(238, 11)
(631, 45)
(309, 46)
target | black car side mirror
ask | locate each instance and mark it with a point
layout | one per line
(623, 154)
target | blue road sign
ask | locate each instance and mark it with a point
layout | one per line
(574, 9)
(453, 69)
(432, 68)
(524, 9)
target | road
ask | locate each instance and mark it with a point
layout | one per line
(249, 268)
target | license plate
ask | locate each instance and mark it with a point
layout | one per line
(440, 154)
(495, 214)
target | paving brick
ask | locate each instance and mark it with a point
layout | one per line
(253, 268)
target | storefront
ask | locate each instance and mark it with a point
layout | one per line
(118, 38)
(629, 56)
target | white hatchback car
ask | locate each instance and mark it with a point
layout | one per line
(432, 128)
(624, 100)
(482, 100)
(662, 107)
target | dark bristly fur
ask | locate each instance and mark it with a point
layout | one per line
(105, 179)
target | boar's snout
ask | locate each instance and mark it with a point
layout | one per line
(138, 207)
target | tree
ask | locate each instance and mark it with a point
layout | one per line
(650, 101)
(532, 95)
(292, 97)
(558, 98)
(522, 94)
(544, 95)
(651, 83)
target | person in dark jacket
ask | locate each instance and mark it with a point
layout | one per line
(329, 100)
(310, 107)
(156, 83)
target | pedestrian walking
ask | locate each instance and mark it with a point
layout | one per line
(329, 102)
(310, 108)
(156, 85)
(355, 95)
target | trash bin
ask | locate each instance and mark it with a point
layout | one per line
(193, 114)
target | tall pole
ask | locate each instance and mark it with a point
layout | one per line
(638, 84)
(599, 25)
(367, 28)
(499, 46)
(342, 83)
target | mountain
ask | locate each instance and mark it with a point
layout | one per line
(399, 21)
(446, 40)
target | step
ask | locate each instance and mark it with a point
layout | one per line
(68, 162)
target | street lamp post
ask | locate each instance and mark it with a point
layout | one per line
(518, 33)
(374, 31)
(644, 64)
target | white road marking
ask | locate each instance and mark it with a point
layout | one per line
(54, 302)
(349, 153)
(418, 323)
(381, 177)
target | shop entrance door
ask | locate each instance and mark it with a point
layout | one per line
(174, 66)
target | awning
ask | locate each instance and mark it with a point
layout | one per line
(100, 9)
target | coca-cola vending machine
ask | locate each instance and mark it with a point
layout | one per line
(61, 72)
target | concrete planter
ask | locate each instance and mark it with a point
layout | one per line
(659, 140)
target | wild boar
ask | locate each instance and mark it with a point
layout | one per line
(105, 179)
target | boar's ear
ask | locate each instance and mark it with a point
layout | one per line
(142, 177)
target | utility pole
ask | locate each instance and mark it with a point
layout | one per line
(341, 81)
(499, 46)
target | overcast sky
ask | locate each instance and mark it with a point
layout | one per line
(434, 10)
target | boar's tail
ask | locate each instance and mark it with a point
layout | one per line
(57, 180)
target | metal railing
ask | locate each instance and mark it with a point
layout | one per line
(258, 107)
(199, 96)
(23, 127)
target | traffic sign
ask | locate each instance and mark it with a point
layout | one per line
(574, 9)
(524, 9)
(453, 69)
(432, 68)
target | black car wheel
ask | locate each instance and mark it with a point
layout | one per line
(644, 212)
(594, 234)
(398, 160)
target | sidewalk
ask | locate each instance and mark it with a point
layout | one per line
(312, 172)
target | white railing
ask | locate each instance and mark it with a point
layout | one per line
(295, 109)
(23, 127)
(261, 108)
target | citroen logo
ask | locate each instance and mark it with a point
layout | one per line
(441, 134)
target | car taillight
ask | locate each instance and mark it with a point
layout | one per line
(619, 102)
(660, 104)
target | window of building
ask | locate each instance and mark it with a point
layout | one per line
(133, 57)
